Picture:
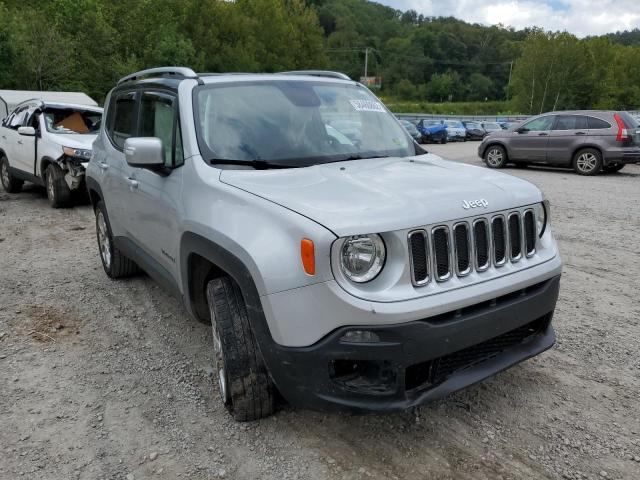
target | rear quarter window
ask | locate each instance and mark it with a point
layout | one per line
(598, 124)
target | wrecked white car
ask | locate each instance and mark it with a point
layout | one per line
(48, 144)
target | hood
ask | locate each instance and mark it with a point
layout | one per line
(73, 140)
(381, 195)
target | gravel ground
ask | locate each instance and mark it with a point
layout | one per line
(112, 380)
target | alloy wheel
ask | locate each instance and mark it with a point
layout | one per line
(494, 157)
(103, 240)
(587, 162)
(5, 175)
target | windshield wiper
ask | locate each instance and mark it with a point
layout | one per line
(358, 157)
(257, 164)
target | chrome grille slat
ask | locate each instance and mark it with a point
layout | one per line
(515, 236)
(419, 257)
(471, 245)
(441, 253)
(462, 249)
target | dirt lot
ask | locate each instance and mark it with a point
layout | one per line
(112, 380)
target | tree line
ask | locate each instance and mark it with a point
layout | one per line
(88, 44)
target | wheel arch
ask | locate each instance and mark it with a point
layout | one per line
(493, 143)
(587, 146)
(203, 260)
(44, 164)
(95, 192)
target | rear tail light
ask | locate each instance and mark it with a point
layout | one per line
(623, 133)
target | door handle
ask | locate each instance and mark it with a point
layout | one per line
(133, 183)
(580, 133)
(19, 142)
(103, 166)
(4, 137)
(543, 134)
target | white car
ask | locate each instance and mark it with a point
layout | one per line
(48, 144)
(456, 130)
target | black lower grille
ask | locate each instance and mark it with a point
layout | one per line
(529, 232)
(433, 372)
(499, 248)
(481, 244)
(515, 239)
(441, 252)
(419, 256)
(461, 236)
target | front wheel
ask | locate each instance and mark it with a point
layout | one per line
(243, 380)
(58, 192)
(587, 162)
(495, 157)
(10, 183)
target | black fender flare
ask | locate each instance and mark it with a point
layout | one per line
(93, 186)
(192, 243)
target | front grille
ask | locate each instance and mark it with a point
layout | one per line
(474, 244)
(436, 371)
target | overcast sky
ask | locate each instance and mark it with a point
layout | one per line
(580, 17)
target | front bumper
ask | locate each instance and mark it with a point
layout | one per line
(418, 361)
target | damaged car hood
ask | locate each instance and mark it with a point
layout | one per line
(380, 195)
(73, 140)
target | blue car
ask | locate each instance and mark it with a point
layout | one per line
(433, 131)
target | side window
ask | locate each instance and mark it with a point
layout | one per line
(597, 124)
(18, 118)
(571, 122)
(122, 122)
(539, 124)
(158, 118)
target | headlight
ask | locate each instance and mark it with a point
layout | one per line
(362, 257)
(542, 216)
(77, 152)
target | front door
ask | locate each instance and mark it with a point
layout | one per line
(156, 194)
(529, 142)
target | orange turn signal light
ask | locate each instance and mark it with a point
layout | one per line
(308, 255)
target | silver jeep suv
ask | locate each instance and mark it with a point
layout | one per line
(338, 263)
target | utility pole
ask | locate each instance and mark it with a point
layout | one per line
(509, 82)
(366, 62)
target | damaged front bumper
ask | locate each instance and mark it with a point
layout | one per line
(75, 170)
(404, 365)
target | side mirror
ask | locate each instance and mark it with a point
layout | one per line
(144, 152)
(27, 131)
(521, 130)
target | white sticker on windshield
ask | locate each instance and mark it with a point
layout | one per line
(367, 106)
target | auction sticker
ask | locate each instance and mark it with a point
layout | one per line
(367, 106)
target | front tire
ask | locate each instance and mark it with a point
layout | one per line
(243, 380)
(495, 157)
(10, 183)
(58, 191)
(587, 162)
(115, 264)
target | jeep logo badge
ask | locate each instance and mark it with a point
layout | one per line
(467, 204)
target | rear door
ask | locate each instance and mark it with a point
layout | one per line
(10, 137)
(567, 135)
(529, 142)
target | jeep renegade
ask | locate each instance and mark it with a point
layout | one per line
(338, 263)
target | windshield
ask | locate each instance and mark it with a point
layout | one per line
(430, 123)
(491, 126)
(68, 120)
(295, 123)
(454, 124)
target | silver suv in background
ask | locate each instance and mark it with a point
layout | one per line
(589, 141)
(343, 268)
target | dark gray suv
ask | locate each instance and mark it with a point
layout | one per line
(590, 141)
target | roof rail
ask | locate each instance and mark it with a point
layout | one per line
(177, 71)
(318, 73)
